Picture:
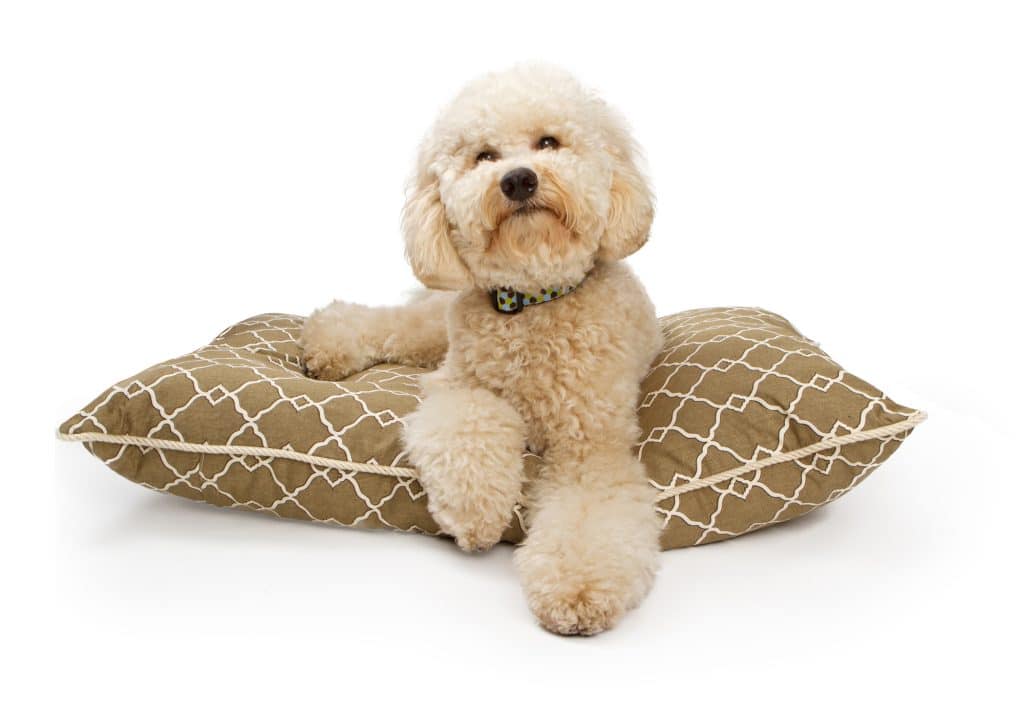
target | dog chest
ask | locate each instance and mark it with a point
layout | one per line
(546, 360)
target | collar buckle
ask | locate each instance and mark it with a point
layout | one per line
(506, 302)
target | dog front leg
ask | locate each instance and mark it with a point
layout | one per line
(591, 551)
(344, 338)
(467, 444)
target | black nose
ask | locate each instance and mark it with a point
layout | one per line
(519, 184)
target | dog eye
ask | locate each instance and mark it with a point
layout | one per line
(548, 143)
(486, 155)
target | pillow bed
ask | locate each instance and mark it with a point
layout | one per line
(745, 423)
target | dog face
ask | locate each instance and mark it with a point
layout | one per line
(526, 181)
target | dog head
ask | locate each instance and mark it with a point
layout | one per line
(526, 181)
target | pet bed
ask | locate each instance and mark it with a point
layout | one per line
(745, 423)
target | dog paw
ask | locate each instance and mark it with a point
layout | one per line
(337, 341)
(582, 580)
(574, 597)
(473, 534)
(586, 611)
(333, 365)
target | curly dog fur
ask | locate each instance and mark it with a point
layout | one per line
(561, 378)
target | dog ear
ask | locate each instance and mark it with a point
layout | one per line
(428, 244)
(631, 208)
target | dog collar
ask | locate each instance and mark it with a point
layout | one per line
(507, 301)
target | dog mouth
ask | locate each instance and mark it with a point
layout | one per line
(529, 209)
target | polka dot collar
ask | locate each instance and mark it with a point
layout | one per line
(507, 301)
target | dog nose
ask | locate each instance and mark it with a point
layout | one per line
(519, 184)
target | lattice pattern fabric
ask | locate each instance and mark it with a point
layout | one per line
(745, 423)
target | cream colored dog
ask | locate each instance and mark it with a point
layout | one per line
(526, 196)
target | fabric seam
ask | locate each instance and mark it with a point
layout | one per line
(912, 420)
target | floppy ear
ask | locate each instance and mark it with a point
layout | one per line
(428, 244)
(631, 208)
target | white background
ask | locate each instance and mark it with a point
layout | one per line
(169, 168)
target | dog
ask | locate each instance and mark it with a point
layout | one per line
(526, 197)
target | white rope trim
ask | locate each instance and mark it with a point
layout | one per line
(913, 420)
(240, 451)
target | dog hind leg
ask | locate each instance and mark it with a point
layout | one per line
(344, 338)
